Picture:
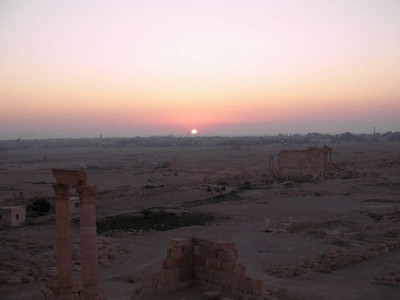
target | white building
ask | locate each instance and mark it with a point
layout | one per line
(12, 215)
(74, 205)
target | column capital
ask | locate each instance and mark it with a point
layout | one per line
(86, 193)
(62, 191)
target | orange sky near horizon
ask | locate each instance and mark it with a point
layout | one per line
(156, 65)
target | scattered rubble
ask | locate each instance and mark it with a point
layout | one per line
(336, 258)
(18, 269)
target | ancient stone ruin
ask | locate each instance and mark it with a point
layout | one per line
(210, 263)
(66, 180)
(271, 164)
(304, 163)
(11, 216)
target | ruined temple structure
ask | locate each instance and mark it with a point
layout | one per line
(304, 163)
(67, 289)
(201, 262)
(271, 164)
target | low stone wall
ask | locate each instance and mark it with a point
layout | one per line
(202, 262)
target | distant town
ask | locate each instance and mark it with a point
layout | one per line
(201, 141)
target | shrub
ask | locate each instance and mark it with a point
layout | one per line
(39, 206)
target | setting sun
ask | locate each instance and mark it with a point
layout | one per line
(193, 132)
(250, 67)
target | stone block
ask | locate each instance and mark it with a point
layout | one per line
(180, 242)
(247, 285)
(146, 292)
(149, 282)
(236, 293)
(199, 273)
(137, 289)
(256, 286)
(238, 282)
(208, 252)
(14, 281)
(186, 267)
(175, 252)
(7, 266)
(209, 275)
(70, 177)
(51, 273)
(199, 260)
(225, 279)
(5, 272)
(172, 275)
(343, 261)
(214, 276)
(214, 295)
(196, 250)
(227, 265)
(48, 294)
(202, 242)
(235, 253)
(24, 279)
(161, 279)
(187, 250)
(226, 254)
(213, 263)
(282, 293)
(223, 245)
(239, 269)
(169, 263)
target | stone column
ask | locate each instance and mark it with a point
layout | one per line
(64, 241)
(271, 162)
(88, 242)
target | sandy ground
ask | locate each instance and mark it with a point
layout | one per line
(184, 174)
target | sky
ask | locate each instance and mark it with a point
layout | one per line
(160, 67)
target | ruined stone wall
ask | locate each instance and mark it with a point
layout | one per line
(202, 262)
(215, 263)
(300, 163)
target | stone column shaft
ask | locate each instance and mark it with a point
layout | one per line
(88, 242)
(64, 241)
(271, 161)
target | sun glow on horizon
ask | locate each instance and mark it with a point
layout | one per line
(161, 65)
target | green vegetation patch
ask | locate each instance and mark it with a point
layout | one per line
(38, 207)
(246, 186)
(232, 196)
(39, 182)
(147, 219)
(256, 187)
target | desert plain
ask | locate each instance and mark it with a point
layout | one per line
(333, 237)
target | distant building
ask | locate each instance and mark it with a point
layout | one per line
(11, 216)
(74, 205)
(304, 163)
